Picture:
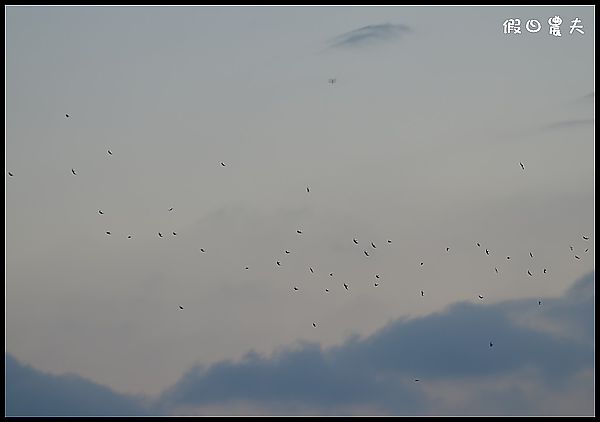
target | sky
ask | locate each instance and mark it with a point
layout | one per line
(227, 115)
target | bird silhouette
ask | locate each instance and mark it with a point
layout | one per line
(577, 257)
(544, 271)
(326, 290)
(108, 233)
(421, 263)
(376, 275)
(508, 257)
(171, 209)
(180, 307)
(223, 164)
(330, 274)
(539, 302)
(202, 250)
(160, 234)
(311, 270)
(67, 116)
(246, 268)
(355, 241)
(299, 231)
(295, 288)
(129, 237)
(496, 270)
(389, 241)
(447, 249)
(478, 244)
(100, 212)
(174, 234)
(571, 248)
(416, 380)
(522, 166)
(376, 284)
(491, 344)
(73, 171)
(480, 297)
(10, 174)
(366, 253)
(586, 249)
(422, 294)
(529, 272)
(287, 251)
(345, 286)
(530, 254)
(307, 189)
(109, 152)
(487, 252)
(585, 238)
(314, 325)
(373, 244)
(278, 263)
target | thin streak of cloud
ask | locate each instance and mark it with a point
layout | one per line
(370, 34)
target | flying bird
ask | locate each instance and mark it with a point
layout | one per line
(307, 189)
(480, 297)
(422, 294)
(108, 233)
(487, 252)
(278, 263)
(299, 231)
(539, 302)
(373, 244)
(496, 270)
(586, 249)
(180, 307)
(159, 234)
(100, 212)
(10, 174)
(67, 116)
(508, 257)
(522, 166)
(295, 288)
(544, 271)
(447, 249)
(529, 272)
(311, 270)
(530, 254)
(376, 284)
(109, 152)
(129, 237)
(577, 257)
(585, 238)
(246, 268)
(330, 274)
(416, 380)
(202, 250)
(287, 251)
(389, 241)
(366, 253)
(171, 209)
(491, 344)
(314, 325)
(223, 164)
(174, 234)
(376, 275)
(571, 248)
(73, 171)
(355, 241)
(345, 286)
(421, 263)
(478, 244)
(326, 290)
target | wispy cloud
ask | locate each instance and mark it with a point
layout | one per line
(370, 34)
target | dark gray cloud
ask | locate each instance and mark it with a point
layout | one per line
(379, 371)
(30, 392)
(370, 34)
(542, 362)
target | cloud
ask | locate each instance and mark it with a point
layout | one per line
(370, 34)
(520, 374)
(530, 370)
(30, 392)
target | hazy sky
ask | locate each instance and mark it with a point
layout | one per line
(418, 141)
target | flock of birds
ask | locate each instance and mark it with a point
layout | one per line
(332, 81)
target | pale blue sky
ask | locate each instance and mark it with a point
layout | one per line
(418, 141)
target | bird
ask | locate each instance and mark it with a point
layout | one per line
(314, 325)
(373, 244)
(355, 241)
(108, 233)
(539, 303)
(295, 288)
(331, 81)
(109, 152)
(311, 270)
(586, 249)
(330, 274)
(278, 263)
(129, 237)
(202, 250)
(246, 268)
(287, 251)
(571, 248)
(180, 307)
(487, 252)
(174, 234)
(389, 241)
(222, 163)
(530, 254)
(577, 257)
(416, 380)
(529, 272)
(345, 286)
(496, 270)
(421, 263)
(478, 244)
(171, 209)
(100, 212)
(508, 257)
(326, 290)
(10, 174)
(366, 253)
(544, 271)
(585, 238)
(422, 294)
(160, 234)
(73, 171)
(480, 297)
(376, 284)
(522, 166)
(447, 249)
(67, 116)
(491, 344)
(299, 231)
(307, 189)
(376, 275)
